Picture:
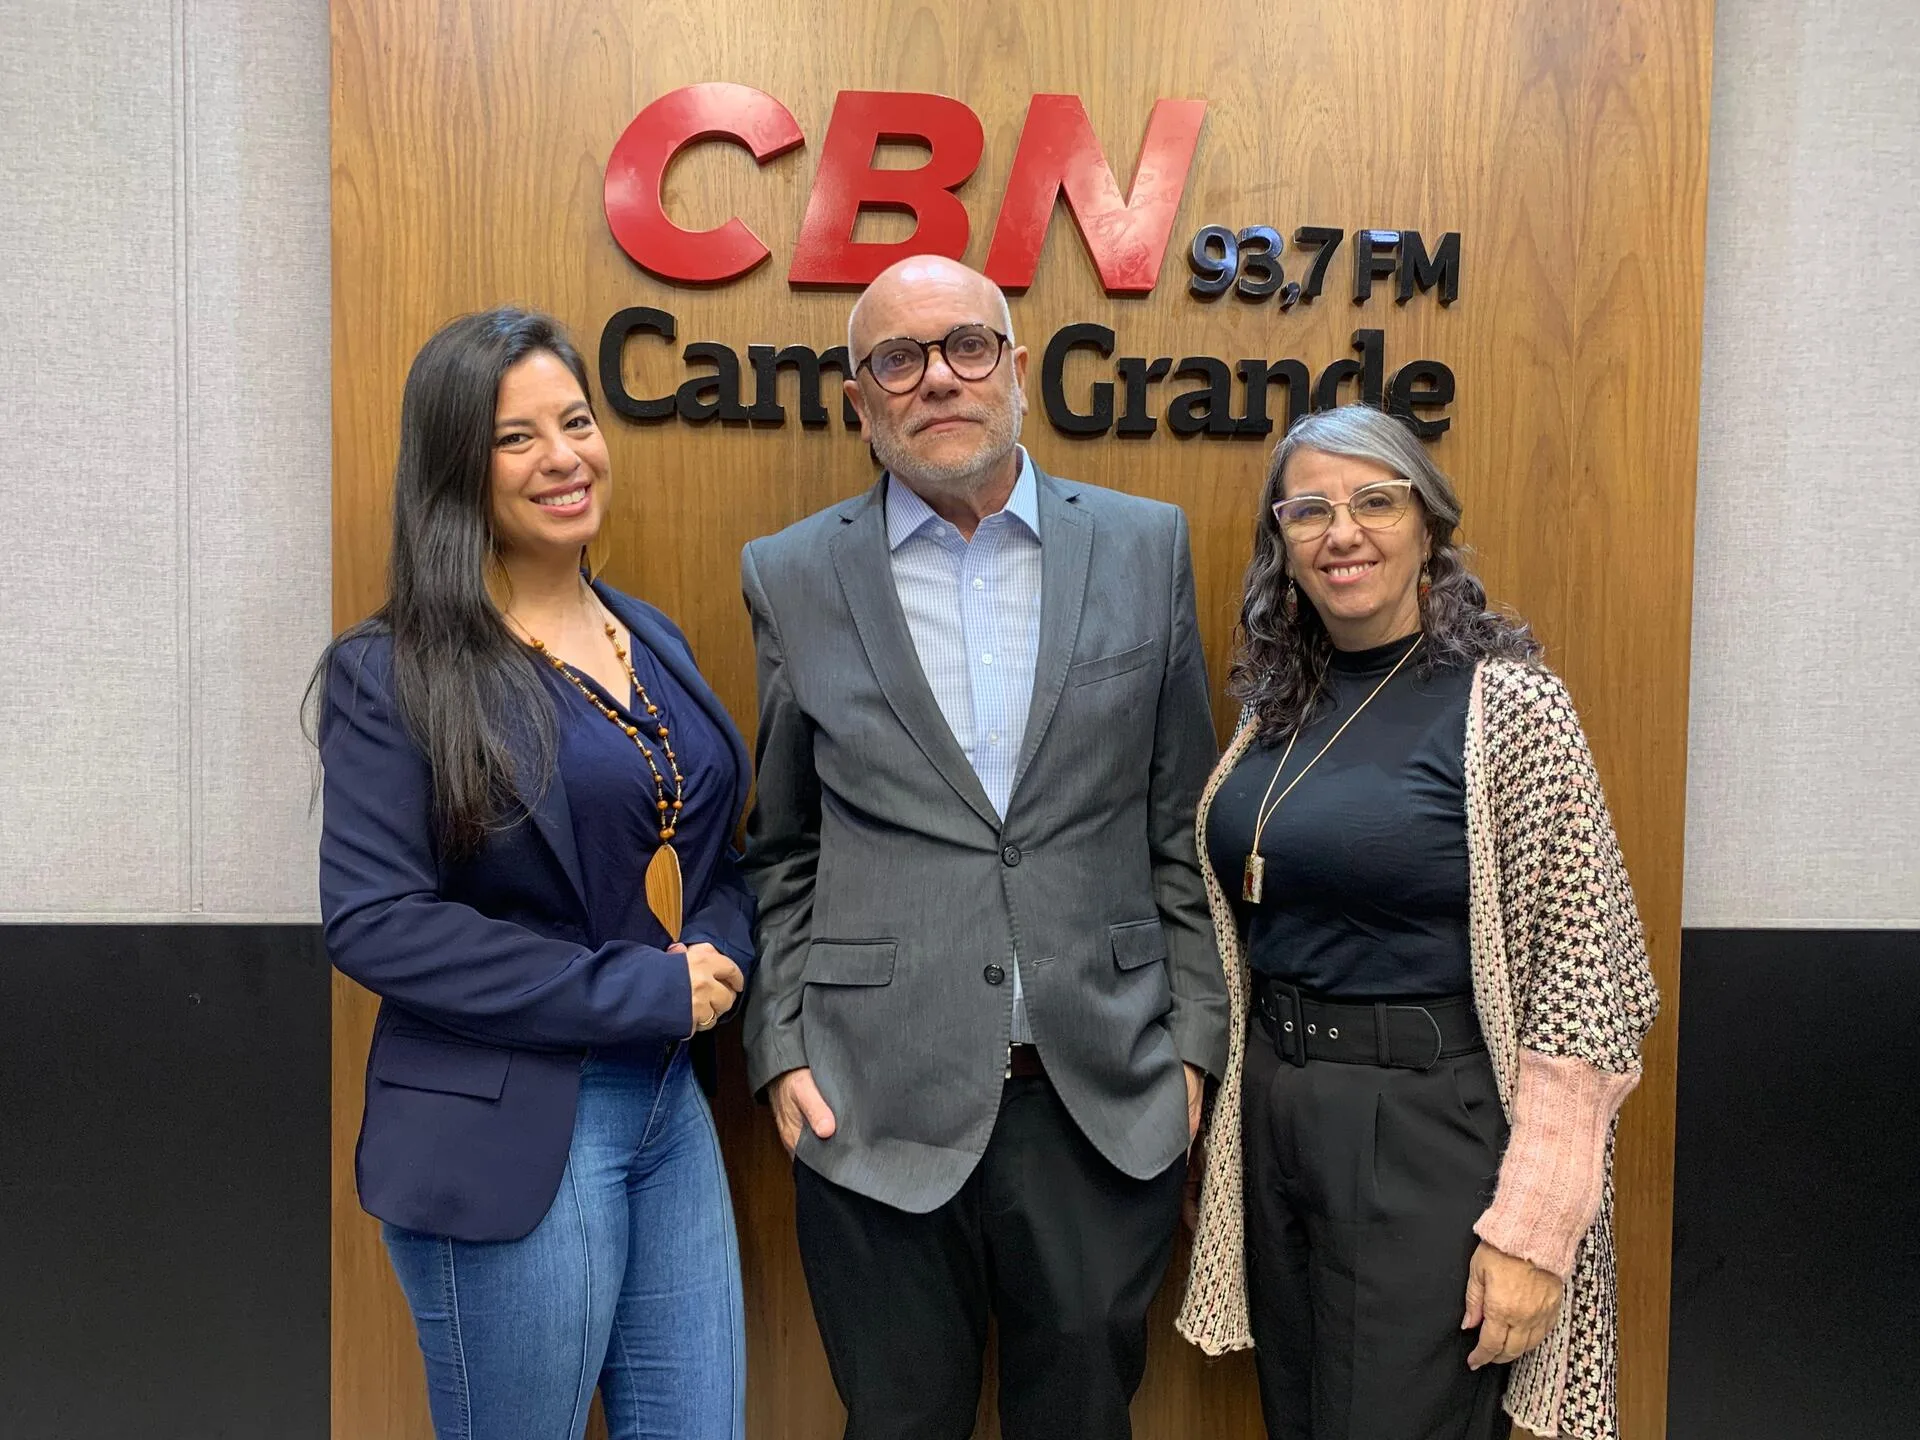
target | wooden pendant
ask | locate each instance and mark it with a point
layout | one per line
(663, 889)
(1254, 880)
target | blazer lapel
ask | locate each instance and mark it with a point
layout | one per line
(1066, 550)
(677, 660)
(864, 563)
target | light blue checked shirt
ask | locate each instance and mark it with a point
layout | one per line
(974, 612)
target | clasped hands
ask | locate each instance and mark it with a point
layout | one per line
(716, 983)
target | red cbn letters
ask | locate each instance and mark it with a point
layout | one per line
(1058, 154)
(846, 183)
(638, 165)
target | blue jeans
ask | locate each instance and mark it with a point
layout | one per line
(631, 1283)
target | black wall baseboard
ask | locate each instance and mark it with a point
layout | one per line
(164, 1232)
(1796, 1238)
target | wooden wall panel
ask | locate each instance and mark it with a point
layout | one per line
(1564, 139)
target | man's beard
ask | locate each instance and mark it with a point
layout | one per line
(958, 478)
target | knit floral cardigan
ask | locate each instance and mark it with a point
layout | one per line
(1565, 996)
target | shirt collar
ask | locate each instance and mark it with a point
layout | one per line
(908, 514)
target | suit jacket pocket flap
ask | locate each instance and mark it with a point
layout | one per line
(850, 962)
(1137, 943)
(448, 1066)
(1105, 667)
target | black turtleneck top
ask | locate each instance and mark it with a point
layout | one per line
(1365, 892)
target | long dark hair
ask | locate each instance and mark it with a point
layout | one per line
(1281, 660)
(468, 692)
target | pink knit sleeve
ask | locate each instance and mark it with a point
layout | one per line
(1551, 1179)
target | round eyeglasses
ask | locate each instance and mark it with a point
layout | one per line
(1378, 506)
(972, 352)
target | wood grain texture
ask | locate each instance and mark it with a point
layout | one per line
(1565, 140)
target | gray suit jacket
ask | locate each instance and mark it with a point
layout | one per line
(893, 900)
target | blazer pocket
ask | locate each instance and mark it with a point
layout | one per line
(1105, 667)
(1138, 943)
(850, 962)
(447, 1066)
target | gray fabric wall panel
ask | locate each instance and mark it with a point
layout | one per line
(94, 805)
(1804, 778)
(260, 326)
(166, 168)
(166, 173)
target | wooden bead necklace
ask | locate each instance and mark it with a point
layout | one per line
(663, 870)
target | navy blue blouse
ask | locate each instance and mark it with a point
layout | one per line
(611, 797)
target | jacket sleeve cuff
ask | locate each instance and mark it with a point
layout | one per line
(770, 1057)
(1555, 1166)
(1200, 1038)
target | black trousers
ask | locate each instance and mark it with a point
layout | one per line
(1062, 1249)
(1362, 1187)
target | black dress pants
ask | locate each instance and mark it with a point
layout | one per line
(1362, 1187)
(1062, 1249)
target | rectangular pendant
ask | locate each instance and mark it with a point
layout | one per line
(1254, 878)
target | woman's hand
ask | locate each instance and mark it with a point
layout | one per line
(1513, 1302)
(716, 983)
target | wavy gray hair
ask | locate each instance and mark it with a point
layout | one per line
(1280, 661)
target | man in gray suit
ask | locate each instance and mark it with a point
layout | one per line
(988, 991)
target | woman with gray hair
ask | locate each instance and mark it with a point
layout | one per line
(1439, 981)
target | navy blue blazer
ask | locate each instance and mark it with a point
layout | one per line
(490, 995)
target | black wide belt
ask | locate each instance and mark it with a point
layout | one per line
(1305, 1027)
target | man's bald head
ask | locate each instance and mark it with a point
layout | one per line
(951, 439)
(927, 279)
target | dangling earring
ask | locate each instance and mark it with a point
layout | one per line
(1426, 580)
(1291, 604)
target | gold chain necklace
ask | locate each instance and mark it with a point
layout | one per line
(663, 870)
(1254, 879)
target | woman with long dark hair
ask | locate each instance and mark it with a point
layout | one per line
(530, 799)
(1438, 975)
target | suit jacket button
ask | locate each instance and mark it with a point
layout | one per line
(993, 974)
(1010, 855)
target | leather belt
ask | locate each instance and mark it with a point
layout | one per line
(1417, 1036)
